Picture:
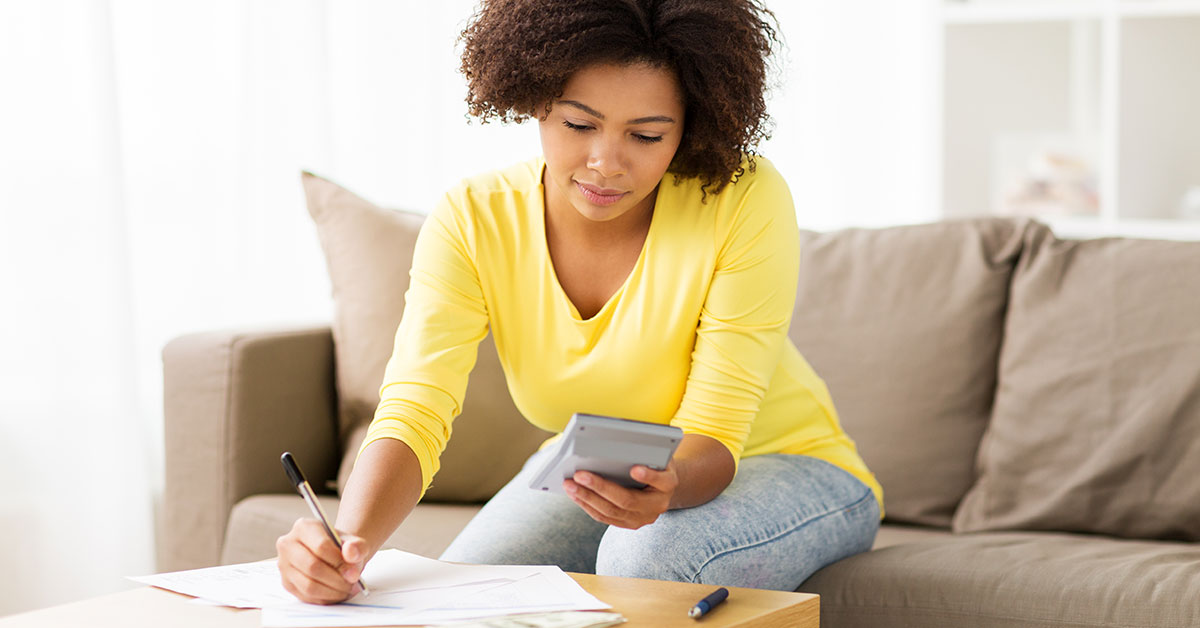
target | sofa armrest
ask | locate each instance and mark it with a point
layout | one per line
(233, 402)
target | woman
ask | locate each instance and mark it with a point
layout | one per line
(645, 267)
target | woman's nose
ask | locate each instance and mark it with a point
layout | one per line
(605, 158)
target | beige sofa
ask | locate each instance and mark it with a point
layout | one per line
(1031, 406)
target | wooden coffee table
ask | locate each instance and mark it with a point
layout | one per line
(658, 604)
(646, 603)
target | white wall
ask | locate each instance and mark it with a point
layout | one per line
(857, 111)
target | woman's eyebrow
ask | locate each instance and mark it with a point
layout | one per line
(596, 114)
(651, 119)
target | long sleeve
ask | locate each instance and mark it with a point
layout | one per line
(743, 324)
(436, 343)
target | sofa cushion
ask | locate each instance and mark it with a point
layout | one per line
(257, 521)
(898, 534)
(1096, 426)
(368, 250)
(1013, 580)
(904, 326)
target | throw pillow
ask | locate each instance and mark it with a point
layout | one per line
(1096, 426)
(368, 250)
(904, 326)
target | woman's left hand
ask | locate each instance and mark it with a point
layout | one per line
(613, 504)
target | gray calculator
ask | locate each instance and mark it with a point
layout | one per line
(609, 447)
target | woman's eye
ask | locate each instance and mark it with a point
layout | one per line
(645, 139)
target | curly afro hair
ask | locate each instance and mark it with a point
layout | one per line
(518, 55)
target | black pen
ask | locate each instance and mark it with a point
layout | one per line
(302, 486)
(708, 603)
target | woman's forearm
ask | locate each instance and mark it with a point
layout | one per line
(705, 467)
(383, 488)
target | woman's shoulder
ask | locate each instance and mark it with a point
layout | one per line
(492, 204)
(755, 176)
(521, 178)
(758, 189)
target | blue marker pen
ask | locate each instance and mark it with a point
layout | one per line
(708, 603)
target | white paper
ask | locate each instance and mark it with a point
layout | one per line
(416, 590)
(248, 585)
(548, 590)
(386, 607)
(405, 589)
(566, 619)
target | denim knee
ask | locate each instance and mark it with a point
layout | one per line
(655, 552)
(783, 518)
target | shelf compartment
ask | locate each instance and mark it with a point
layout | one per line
(998, 140)
(1159, 125)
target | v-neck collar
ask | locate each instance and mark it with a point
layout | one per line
(611, 303)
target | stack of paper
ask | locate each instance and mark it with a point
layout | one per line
(405, 589)
(249, 585)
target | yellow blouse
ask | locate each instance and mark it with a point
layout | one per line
(696, 336)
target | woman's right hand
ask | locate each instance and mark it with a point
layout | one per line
(313, 569)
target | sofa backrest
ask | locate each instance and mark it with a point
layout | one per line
(1096, 426)
(904, 324)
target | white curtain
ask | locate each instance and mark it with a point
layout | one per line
(149, 186)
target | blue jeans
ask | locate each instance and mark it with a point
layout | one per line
(781, 519)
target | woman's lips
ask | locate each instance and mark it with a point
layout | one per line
(599, 196)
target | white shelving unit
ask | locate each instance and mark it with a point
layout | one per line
(1084, 113)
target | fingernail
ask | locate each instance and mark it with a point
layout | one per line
(584, 479)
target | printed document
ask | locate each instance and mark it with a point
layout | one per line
(405, 589)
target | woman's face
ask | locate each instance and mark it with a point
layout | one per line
(610, 137)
